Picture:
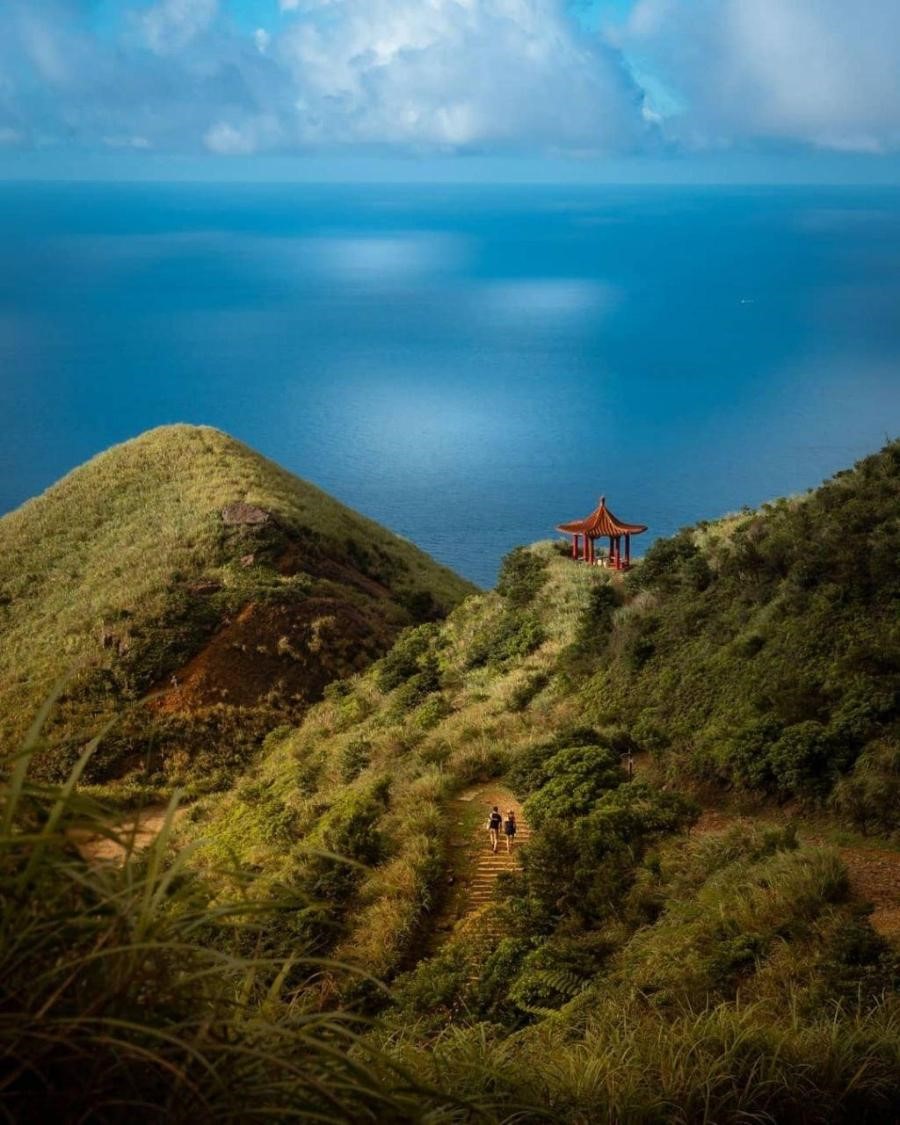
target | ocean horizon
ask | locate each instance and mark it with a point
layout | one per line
(468, 365)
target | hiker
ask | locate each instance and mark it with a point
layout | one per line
(509, 828)
(495, 820)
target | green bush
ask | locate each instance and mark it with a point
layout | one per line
(558, 970)
(801, 760)
(747, 754)
(530, 771)
(870, 796)
(433, 711)
(582, 867)
(404, 659)
(418, 687)
(577, 778)
(355, 757)
(435, 984)
(511, 636)
(522, 576)
(594, 625)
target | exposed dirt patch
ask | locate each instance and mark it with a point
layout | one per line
(301, 558)
(246, 515)
(292, 650)
(134, 833)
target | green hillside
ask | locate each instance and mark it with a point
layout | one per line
(698, 928)
(763, 651)
(184, 563)
(637, 962)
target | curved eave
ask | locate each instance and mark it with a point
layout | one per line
(600, 529)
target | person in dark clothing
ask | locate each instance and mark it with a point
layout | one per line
(495, 820)
(509, 829)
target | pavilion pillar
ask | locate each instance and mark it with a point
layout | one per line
(612, 557)
(574, 546)
(591, 559)
(627, 550)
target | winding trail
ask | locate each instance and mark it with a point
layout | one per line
(874, 873)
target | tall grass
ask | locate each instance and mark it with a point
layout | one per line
(124, 994)
(716, 1064)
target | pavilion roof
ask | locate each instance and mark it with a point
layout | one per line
(601, 522)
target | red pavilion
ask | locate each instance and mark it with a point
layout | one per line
(602, 524)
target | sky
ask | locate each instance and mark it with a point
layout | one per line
(781, 90)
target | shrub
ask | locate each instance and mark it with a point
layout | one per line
(800, 760)
(525, 691)
(583, 868)
(577, 778)
(511, 636)
(747, 755)
(530, 770)
(522, 575)
(435, 983)
(595, 623)
(418, 687)
(664, 564)
(557, 971)
(355, 757)
(870, 796)
(404, 659)
(433, 711)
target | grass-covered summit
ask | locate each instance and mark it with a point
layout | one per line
(185, 563)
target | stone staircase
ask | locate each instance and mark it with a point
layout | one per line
(469, 913)
(480, 915)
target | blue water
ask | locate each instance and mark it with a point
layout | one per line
(468, 365)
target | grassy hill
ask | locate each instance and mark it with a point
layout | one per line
(691, 943)
(184, 563)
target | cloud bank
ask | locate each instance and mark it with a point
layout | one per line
(448, 75)
(820, 72)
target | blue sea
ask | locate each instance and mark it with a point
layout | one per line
(467, 364)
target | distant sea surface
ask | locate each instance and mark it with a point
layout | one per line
(468, 365)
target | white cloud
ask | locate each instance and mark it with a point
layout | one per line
(262, 39)
(820, 72)
(227, 140)
(457, 73)
(171, 25)
(9, 136)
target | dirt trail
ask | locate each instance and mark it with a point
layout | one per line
(138, 830)
(474, 867)
(874, 873)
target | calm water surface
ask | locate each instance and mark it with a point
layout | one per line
(467, 365)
